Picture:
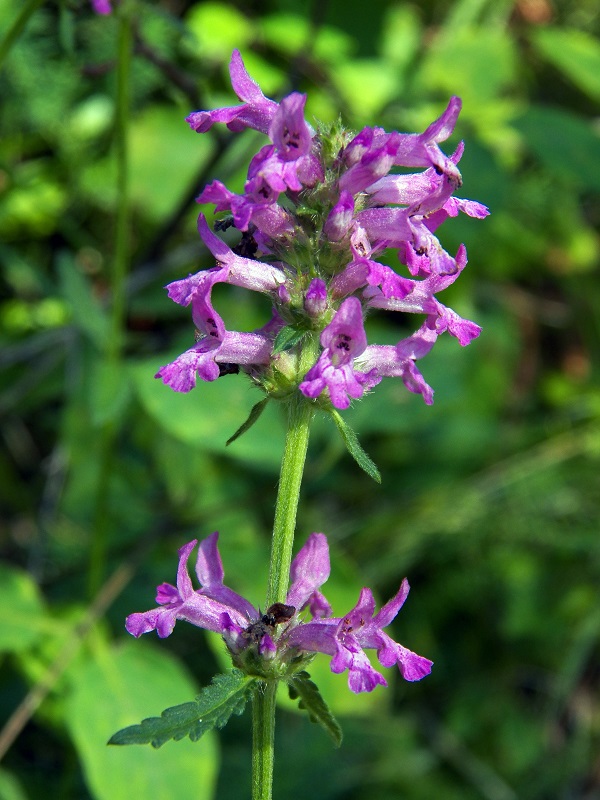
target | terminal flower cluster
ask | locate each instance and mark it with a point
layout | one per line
(318, 209)
(282, 640)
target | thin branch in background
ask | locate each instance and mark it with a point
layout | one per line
(32, 701)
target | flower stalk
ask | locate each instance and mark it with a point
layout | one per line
(300, 414)
(315, 256)
(263, 740)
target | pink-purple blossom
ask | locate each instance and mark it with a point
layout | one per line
(317, 225)
(101, 6)
(283, 635)
(343, 341)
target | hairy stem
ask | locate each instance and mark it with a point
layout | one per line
(292, 467)
(263, 738)
(299, 416)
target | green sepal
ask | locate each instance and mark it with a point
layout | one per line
(287, 338)
(354, 447)
(301, 686)
(254, 414)
(226, 695)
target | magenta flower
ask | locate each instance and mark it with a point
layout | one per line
(256, 112)
(216, 607)
(343, 341)
(346, 639)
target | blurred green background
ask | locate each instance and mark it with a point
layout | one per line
(490, 499)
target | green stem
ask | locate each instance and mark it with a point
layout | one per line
(300, 414)
(114, 345)
(292, 467)
(263, 738)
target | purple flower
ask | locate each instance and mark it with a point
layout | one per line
(315, 301)
(101, 6)
(216, 607)
(398, 361)
(346, 638)
(257, 111)
(343, 340)
(340, 217)
(216, 345)
(205, 607)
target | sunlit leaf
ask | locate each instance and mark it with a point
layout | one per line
(121, 685)
(575, 53)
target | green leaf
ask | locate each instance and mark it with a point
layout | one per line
(226, 695)
(287, 338)
(125, 683)
(566, 144)
(10, 787)
(87, 312)
(255, 413)
(300, 685)
(575, 53)
(27, 620)
(110, 390)
(354, 447)
(206, 416)
(475, 62)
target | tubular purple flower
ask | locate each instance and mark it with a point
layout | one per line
(422, 150)
(203, 359)
(256, 112)
(340, 217)
(343, 340)
(417, 297)
(315, 300)
(346, 638)
(202, 607)
(398, 361)
(374, 164)
(288, 130)
(246, 272)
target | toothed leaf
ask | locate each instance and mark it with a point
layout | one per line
(300, 686)
(212, 708)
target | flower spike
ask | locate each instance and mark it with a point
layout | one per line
(317, 209)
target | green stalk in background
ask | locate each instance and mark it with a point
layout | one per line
(114, 345)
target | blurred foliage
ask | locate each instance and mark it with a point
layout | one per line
(490, 499)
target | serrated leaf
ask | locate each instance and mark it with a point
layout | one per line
(301, 686)
(354, 447)
(287, 338)
(254, 414)
(212, 708)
